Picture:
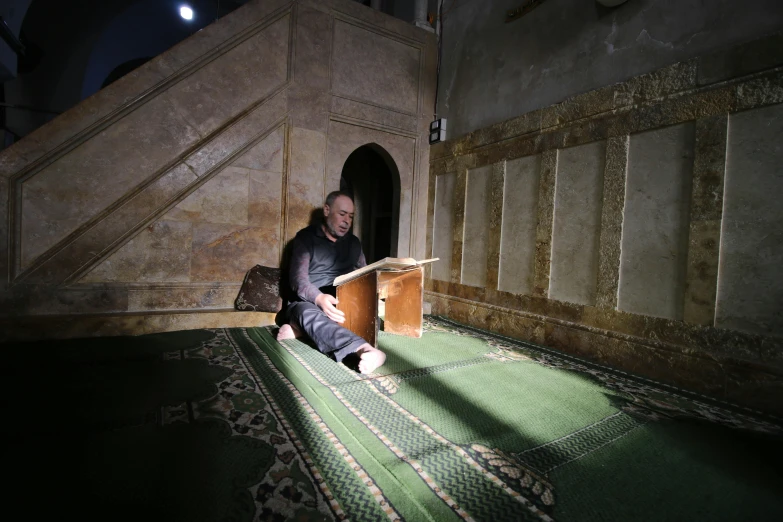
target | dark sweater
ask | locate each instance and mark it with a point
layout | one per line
(316, 261)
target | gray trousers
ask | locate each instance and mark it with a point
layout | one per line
(328, 336)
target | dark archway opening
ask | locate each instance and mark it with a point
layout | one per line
(371, 177)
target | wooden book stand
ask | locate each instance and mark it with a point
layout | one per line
(401, 288)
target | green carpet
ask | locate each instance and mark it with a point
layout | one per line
(460, 424)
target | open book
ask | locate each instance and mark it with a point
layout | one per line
(387, 264)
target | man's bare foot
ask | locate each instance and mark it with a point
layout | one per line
(287, 331)
(370, 358)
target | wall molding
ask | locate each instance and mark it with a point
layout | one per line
(128, 323)
(361, 24)
(356, 122)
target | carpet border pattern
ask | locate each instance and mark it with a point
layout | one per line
(362, 397)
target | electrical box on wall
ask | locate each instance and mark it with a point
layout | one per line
(438, 131)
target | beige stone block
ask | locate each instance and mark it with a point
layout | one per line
(265, 199)
(29, 300)
(227, 252)
(655, 222)
(12, 160)
(546, 204)
(518, 327)
(611, 222)
(758, 92)
(405, 220)
(226, 86)
(419, 225)
(309, 107)
(709, 167)
(430, 224)
(112, 229)
(306, 189)
(161, 252)
(675, 110)
(526, 123)
(313, 47)
(750, 287)
(477, 214)
(266, 155)
(520, 221)
(100, 172)
(226, 319)
(237, 139)
(182, 297)
(581, 106)
(577, 223)
(374, 67)
(664, 82)
(222, 199)
(371, 113)
(73, 326)
(585, 131)
(458, 229)
(702, 275)
(495, 223)
(443, 150)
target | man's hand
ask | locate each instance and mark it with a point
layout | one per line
(327, 303)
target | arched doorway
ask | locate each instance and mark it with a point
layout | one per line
(371, 177)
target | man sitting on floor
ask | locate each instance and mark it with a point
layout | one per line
(319, 254)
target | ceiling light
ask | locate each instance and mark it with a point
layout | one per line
(186, 12)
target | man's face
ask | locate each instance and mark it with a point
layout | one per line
(339, 216)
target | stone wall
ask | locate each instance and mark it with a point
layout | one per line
(638, 225)
(564, 48)
(157, 194)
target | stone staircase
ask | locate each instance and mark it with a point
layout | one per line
(142, 208)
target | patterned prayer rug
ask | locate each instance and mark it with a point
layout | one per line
(158, 427)
(231, 425)
(464, 425)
